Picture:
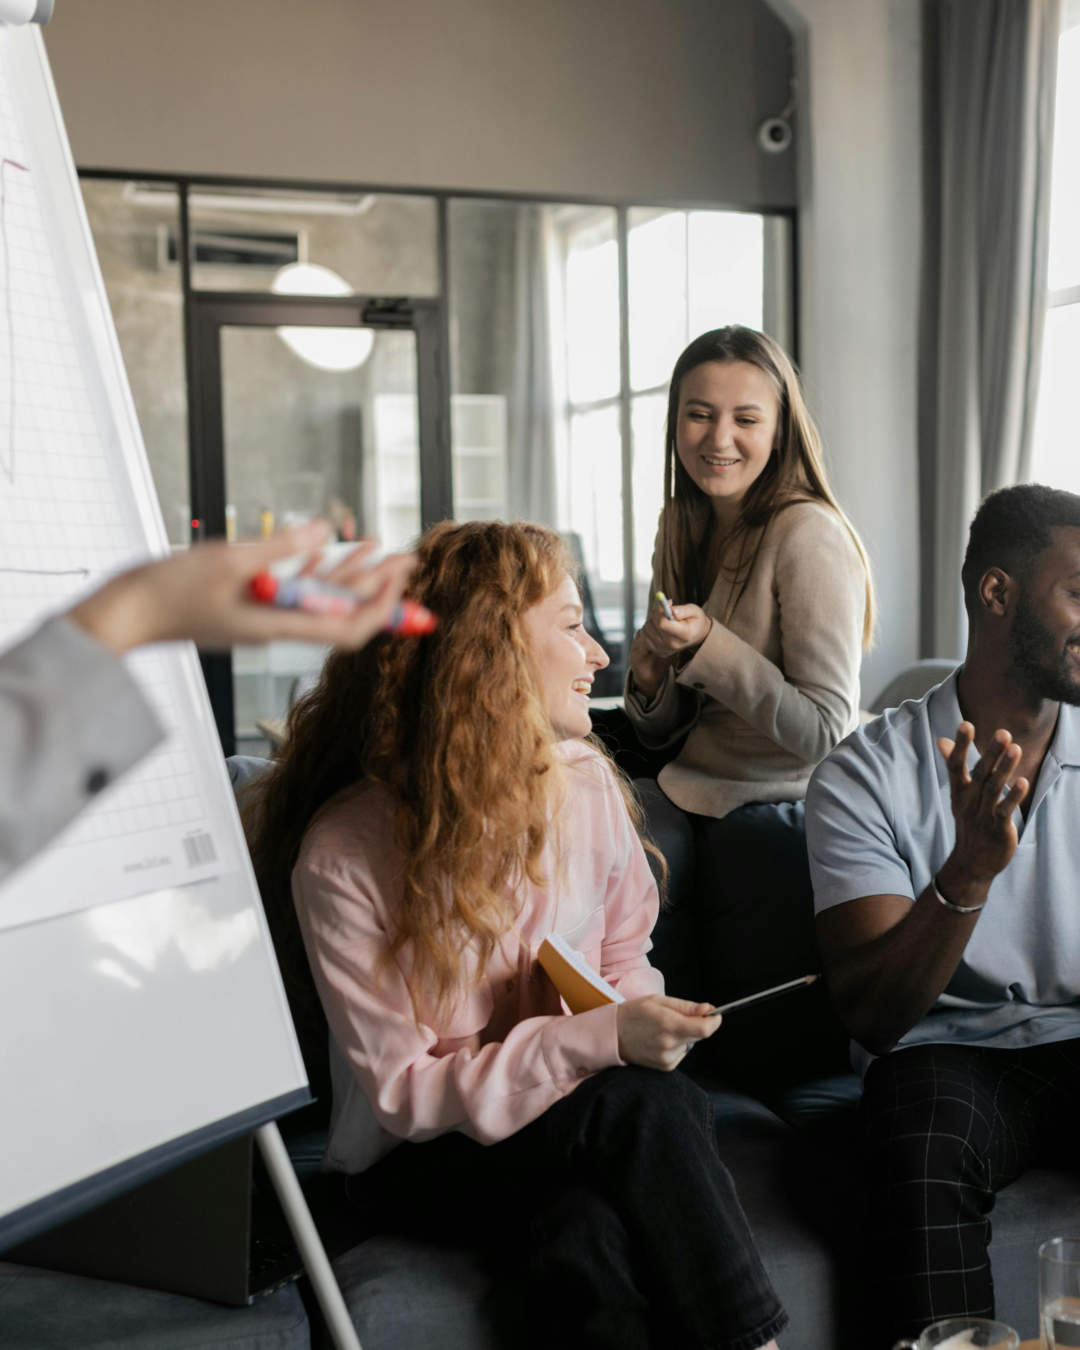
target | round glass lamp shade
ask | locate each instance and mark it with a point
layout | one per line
(333, 349)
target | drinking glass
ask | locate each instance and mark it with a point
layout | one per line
(1059, 1292)
(963, 1333)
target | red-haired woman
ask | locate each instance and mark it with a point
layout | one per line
(439, 815)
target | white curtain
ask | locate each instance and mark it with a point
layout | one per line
(534, 405)
(990, 74)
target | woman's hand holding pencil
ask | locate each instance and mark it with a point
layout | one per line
(668, 631)
(671, 629)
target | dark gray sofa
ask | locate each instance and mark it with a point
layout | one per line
(788, 1143)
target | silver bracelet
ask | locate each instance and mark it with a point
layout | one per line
(955, 909)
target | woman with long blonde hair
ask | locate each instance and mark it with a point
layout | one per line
(755, 671)
(437, 813)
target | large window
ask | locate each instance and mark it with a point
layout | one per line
(1057, 444)
(689, 271)
(571, 367)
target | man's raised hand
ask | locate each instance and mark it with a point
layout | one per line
(986, 835)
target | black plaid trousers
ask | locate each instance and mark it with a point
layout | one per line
(943, 1128)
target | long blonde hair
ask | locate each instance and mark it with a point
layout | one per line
(455, 729)
(795, 472)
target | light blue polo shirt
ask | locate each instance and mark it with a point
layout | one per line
(879, 822)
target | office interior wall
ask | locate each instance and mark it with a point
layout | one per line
(640, 99)
(636, 98)
(859, 157)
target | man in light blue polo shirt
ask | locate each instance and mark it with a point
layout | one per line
(944, 843)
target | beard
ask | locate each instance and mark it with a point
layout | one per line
(1040, 663)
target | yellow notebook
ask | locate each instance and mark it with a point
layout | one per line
(582, 989)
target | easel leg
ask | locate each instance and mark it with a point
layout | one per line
(316, 1262)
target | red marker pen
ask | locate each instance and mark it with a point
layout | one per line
(408, 618)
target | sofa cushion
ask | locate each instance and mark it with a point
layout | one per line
(803, 1209)
(43, 1310)
(826, 1103)
(801, 1202)
(404, 1294)
(737, 1115)
(822, 1110)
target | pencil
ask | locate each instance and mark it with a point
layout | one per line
(764, 993)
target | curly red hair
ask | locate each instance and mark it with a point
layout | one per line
(454, 727)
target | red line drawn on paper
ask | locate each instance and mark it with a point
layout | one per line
(9, 316)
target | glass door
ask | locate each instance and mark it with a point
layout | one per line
(302, 419)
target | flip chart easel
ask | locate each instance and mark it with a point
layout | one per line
(145, 1020)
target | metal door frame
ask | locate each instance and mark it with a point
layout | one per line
(211, 311)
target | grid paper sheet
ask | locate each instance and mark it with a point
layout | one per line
(69, 517)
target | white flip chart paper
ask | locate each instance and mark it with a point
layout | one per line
(66, 522)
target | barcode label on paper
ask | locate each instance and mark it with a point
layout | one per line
(199, 849)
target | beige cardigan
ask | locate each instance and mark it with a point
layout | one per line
(766, 697)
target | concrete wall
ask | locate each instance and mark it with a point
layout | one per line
(860, 223)
(643, 99)
(147, 308)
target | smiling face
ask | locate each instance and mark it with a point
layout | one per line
(1045, 634)
(567, 659)
(726, 430)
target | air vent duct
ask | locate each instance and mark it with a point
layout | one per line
(264, 249)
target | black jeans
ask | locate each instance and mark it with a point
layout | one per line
(617, 1201)
(740, 917)
(945, 1127)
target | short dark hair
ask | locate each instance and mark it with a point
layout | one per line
(1012, 527)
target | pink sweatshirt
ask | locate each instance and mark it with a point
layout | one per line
(508, 1049)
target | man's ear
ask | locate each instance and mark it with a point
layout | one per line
(997, 592)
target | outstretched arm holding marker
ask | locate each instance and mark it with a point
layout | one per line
(205, 595)
(72, 719)
(315, 596)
